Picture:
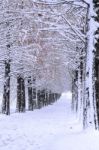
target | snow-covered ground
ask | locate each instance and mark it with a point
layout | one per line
(51, 128)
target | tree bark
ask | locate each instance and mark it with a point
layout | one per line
(20, 94)
(6, 94)
(96, 7)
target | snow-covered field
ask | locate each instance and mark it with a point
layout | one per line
(51, 128)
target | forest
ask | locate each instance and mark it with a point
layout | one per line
(46, 48)
(28, 67)
(49, 59)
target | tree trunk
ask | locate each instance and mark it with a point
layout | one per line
(6, 94)
(20, 94)
(96, 6)
(89, 101)
(30, 100)
(30, 95)
(34, 97)
(75, 91)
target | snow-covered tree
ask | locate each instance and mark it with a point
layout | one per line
(88, 97)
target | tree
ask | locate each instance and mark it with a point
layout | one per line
(90, 75)
(7, 38)
(96, 9)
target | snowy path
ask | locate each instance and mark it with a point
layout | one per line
(51, 128)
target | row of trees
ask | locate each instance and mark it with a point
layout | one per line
(44, 50)
(24, 57)
(86, 81)
(34, 43)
